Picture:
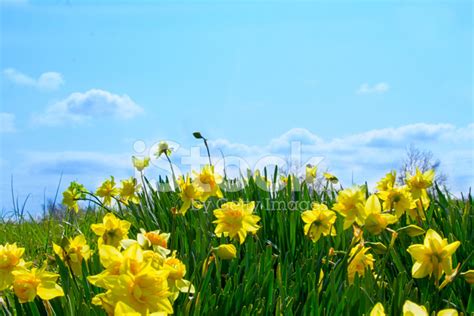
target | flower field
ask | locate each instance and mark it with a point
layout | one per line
(266, 243)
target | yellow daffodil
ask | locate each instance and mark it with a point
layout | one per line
(261, 181)
(412, 309)
(176, 281)
(133, 277)
(107, 302)
(359, 261)
(128, 191)
(72, 251)
(293, 180)
(140, 164)
(419, 182)
(421, 204)
(107, 191)
(226, 251)
(115, 262)
(377, 310)
(10, 259)
(190, 194)
(112, 230)
(236, 220)
(155, 240)
(387, 182)
(146, 291)
(311, 173)
(350, 204)
(318, 221)
(29, 283)
(163, 148)
(122, 309)
(73, 193)
(208, 181)
(376, 221)
(433, 256)
(330, 178)
(397, 199)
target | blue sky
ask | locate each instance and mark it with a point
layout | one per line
(357, 82)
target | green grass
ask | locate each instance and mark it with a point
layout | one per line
(276, 271)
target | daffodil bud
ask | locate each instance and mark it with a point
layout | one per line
(412, 230)
(412, 309)
(331, 252)
(198, 135)
(468, 276)
(378, 247)
(226, 251)
(311, 173)
(140, 164)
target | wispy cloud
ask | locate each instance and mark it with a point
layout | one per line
(7, 122)
(367, 156)
(74, 163)
(79, 107)
(379, 88)
(47, 81)
(354, 158)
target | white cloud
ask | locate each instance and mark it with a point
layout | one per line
(366, 88)
(7, 122)
(79, 107)
(46, 81)
(390, 137)
(354, 158)
(300, 134)
(367, 156)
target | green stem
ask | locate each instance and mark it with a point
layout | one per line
(208, 152)
(172, 170)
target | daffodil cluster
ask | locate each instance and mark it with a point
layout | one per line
(375, 213)
(411, 198)
(194, 192)
(72, 251)
(74, 193)
(141, 276)
(126, 193)
(108, 192)
(26, 281)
